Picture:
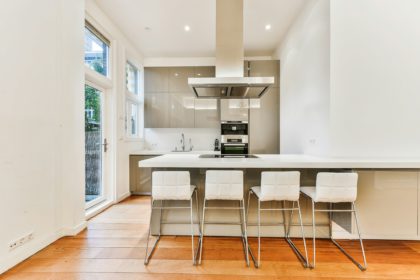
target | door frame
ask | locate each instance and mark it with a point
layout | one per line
(105, 155)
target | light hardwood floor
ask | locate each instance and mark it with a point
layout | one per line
(113, 245)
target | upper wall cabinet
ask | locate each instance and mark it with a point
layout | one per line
(263, 68)
(266, 110)
(205, 72)
(156, 112)
(156, 79)
(181, 110)
(171, 103)
(178, 79)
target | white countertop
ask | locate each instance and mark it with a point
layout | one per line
(278, 161)
(164, 152)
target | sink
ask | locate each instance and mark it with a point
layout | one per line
(228, 156)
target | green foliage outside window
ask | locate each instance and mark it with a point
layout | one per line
(92, 109)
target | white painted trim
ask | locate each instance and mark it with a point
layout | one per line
(97, 79)
(74, 230)
(27, 251)
(98, 209)
(254, 58)
(122, 197)
(178, 61)
(190, 61)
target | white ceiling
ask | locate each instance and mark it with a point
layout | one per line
(167, 18)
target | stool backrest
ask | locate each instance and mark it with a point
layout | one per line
(336, 187)
(168, 185)
(282, 185)
(224, 184)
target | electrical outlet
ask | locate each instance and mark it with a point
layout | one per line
(21, 241)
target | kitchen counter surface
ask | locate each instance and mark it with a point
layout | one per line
(164, 152)
(189, 160)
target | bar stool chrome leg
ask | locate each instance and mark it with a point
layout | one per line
(361, 267)
(330, 211)
(360, 238)
(161, 208)
(200, 236)
(303, 259)
(257, 259)
(242, 223)
(202, 230)
(259, 233)
(148, 255)
(244, 230)
(313, 234)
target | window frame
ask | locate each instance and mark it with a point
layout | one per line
(104, 38)
(134, 99)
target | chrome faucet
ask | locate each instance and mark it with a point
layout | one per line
(191, 145)
(183, 142)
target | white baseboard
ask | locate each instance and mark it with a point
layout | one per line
(124, 196)
(38, 244)
(91, 212)
(25, 252)
(74, 230)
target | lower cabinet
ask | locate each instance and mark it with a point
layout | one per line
(387, 204)
(140, 178)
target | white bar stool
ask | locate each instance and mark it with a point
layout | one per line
(279, 186)
(173, 186)
(225, 185)
(335, 188)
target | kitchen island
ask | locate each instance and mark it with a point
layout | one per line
(388, 193)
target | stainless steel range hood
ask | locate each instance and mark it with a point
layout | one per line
(230, 81)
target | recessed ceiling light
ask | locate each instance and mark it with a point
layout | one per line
(147, 28)
(187, 28)
(267, 26)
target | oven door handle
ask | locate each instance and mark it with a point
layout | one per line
(233, 144)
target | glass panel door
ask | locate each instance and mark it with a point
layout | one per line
(95, 146)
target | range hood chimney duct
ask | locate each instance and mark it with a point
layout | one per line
(229, 38)
(230, 81)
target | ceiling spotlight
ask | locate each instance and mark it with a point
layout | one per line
(187, 28)
(147, 28)
(267, 26)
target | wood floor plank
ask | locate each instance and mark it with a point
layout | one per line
(113, 247)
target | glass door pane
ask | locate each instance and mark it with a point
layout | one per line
(94, 147)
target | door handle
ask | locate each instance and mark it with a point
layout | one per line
(105, 144)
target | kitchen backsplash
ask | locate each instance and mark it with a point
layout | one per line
(168, 138)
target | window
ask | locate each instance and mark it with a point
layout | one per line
(132, 75)
(134, 104)
(133, 124)
(96, 50)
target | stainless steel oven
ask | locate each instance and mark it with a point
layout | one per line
(234, 140)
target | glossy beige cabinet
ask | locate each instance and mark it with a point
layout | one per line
(171, 103)
(156, 113)
(181, 110)
(156, 79)
(140, 178)
(264, 113)
(205, 72)
(178, 79)
(206, 113)
(387, 204)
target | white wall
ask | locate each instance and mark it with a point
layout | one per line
(305, 82)
(123, 49)
(41, 123)
(375, 78)
(350, 81)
